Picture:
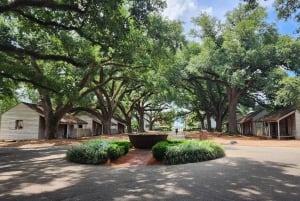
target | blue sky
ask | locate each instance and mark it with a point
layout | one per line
(184, 10)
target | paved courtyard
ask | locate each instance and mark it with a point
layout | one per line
(246, 173)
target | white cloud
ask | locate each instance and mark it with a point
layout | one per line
(177, 9)
(267, 4)
(182, 9)
(185, 10)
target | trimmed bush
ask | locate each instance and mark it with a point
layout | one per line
(97, 151)
(114, 151)
(85, 154)
(125, 144)
(160, 148)
(187, 151)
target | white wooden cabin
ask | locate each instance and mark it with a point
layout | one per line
(117, 127)
(26, 121)
(247, 125)
(21, 123)
(281, 124)
(93, 126)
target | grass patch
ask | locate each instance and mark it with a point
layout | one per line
(97, 151)
(186, 151)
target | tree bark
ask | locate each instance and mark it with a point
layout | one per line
(219, 123)
(51, 127)
(128, 124)
(141, 125)
(151, 124)
(202, 124)
(141, 120)
(51, 121)
(106, 124)
(208, 119)
(233, 97)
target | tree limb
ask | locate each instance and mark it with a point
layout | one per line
(40, 4)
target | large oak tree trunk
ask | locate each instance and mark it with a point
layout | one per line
(202, 124)
(128, 124)
(51, 121)
(106, 123)
(151, 124)
(208, 119)
(51, 127)
(141, 122)
(219, 123)
(233, 97)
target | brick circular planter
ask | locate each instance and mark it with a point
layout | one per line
(146, 141)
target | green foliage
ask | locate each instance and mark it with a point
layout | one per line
(114, 151)
(237, 55)
(186, 151)
(7, 102)
(62, 48)
(97, 151)
(193, 151)
(160, 148)
(125, 144)
(192, 129)
(287, 9)
(289, 93)
(162, 128)
(89, 153)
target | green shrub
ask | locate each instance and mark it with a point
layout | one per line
(125, 144)
(192, 129)
(160, 148)
(114, 151)
(162, 128)
(97, 151)
(87, 154)
(186, 151)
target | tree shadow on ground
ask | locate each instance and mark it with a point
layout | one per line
(44, 174)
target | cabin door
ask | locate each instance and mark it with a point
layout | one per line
(274, 129)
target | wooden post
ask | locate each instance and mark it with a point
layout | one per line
(278, 132)
(68, 131)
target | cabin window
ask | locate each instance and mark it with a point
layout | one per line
(19, 125)
(80, 126)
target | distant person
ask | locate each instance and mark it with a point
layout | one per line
(176, 131)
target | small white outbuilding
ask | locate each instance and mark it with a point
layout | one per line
(25, 121)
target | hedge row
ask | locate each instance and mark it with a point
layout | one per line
(97, 151)
(186, 151)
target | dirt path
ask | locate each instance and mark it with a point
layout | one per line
(135, 157)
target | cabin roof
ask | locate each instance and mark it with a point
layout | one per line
(70, 119)
(278, 114)
(248, 117)
(35, 107)
(66, 119)
(93, 117)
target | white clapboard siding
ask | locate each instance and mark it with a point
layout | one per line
(88, 128)
(87, 119)
(257, 127)
(30, 120)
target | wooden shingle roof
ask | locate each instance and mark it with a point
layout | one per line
(66, 119)
(70, 119)
(92, 116)
(248, 117)
(278, 114)
(35, 107)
